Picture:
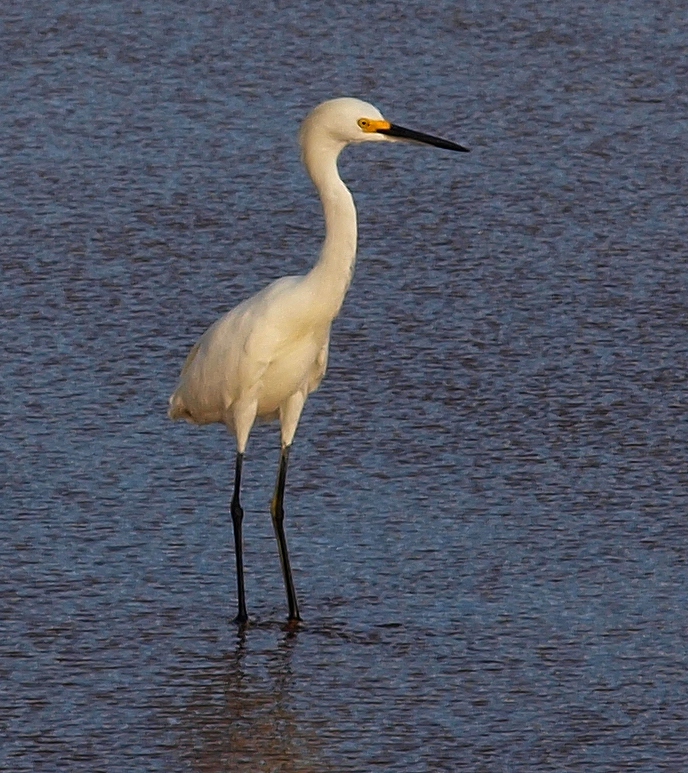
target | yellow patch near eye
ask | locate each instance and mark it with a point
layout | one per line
(370, 125)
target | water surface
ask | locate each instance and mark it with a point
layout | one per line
(487, 498)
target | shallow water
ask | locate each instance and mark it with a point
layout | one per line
(486, 506)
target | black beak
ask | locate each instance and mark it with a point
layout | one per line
(414, 136)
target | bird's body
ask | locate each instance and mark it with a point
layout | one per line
(255, 359)
(262, 359)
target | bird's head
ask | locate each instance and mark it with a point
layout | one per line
(339, 122)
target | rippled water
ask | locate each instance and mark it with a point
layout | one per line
(487, 499)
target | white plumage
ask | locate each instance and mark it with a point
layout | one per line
(262, 359)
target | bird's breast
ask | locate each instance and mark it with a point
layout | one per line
(299, 366)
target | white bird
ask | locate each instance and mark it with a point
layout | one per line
(262, 359)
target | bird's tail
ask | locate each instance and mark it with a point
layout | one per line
(177, 409)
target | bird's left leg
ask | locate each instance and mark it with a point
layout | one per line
(277, 512)
(290, 413)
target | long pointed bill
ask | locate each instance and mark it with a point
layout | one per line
(392, 130)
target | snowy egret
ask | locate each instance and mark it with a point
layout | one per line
(262, 359)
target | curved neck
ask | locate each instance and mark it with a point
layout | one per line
(333, 272)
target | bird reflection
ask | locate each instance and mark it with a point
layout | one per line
(241, 715)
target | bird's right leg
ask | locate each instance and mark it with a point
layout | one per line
(237, 518)
(241, 419)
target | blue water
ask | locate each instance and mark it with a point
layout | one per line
(486, 504)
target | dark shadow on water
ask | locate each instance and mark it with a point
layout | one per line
(239, 711)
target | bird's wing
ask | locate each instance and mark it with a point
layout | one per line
(266, 320)
(320, 366)
(190, 357)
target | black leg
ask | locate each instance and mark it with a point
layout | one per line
(237, 518)
(277, 511)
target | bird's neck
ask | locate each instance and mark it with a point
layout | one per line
(332, 274)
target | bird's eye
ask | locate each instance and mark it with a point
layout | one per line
(364, 123)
